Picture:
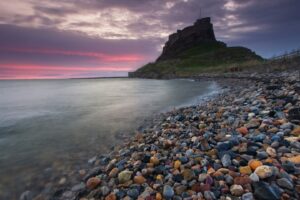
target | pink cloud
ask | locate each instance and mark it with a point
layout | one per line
(28, 71)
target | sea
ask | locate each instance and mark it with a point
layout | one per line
(50, 127)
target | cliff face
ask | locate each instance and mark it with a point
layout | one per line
(201, 31)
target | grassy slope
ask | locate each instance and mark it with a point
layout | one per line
(208, 57)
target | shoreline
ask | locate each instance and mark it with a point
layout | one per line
(182, 146)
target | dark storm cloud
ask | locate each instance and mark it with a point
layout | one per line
(13, 36)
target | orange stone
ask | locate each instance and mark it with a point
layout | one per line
(139, 179)
(245, 170)
(111, 196)
(295, 159)
(154, 160)
(158, 196)
(159, 177)
(253, 164)
(211, 170)
(269, 160)
(296, 131)
(242, 130)
(177, 164)
(113, 173)
(93, 182)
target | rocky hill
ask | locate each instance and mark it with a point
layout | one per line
(194, 50)
(202, 31)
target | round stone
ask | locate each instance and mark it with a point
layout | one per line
(188, 174)
(243, 130)
(124, 176)
(139, 180)
(253, 164)
(177, 164)
(245, 170)
(168, 192)
(285, 183)
(236, 190)
(271, 152)
(248, 196)
(254, 177)
(154, 160)
(93, 182)
(264, 171)
(113, 173)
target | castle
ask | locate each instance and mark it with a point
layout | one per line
(201, 31)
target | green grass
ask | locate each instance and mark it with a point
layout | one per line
(208, 57)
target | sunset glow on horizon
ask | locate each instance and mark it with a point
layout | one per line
(95, 38)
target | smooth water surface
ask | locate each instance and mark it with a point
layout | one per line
(55, 124)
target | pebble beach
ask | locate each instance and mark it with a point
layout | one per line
(242, 144)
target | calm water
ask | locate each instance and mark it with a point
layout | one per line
(56, 124)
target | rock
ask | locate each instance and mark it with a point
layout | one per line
(245, 170)
(180, 189)
(79, 187)
(111, 196)
(92, 173)
(243, 130)
(177, 164)
(243, 180)
(147, 193)
(285, 183)
(202, 31)
(286, 126)
(202, 177)
(288, 166)
(188, 174)
(154, 160)
(205, 187)
(124, 176)
(263, 171)
(254, 177)
(62, 181)
(158, 196)
(104, 190)
(296, 131)
(295, 159)
(248, 196)
(133, 193)
(273, 87)
(236, 190)
(113, 173)
(271, 151)
(168, 192)
(92, 160)
(253, 123)
(264, 191)
(93, 182)
(229, 180)
(253, 164)
(226, 160)
(262, 155)
(209, 195)
(294, 114)
(27, 195)
(139, 180)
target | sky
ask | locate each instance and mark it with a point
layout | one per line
(94, 38)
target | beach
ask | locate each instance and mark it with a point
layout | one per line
(244, 143)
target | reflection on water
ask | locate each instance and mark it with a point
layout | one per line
(60, 123)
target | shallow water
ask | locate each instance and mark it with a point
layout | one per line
(56, 124)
